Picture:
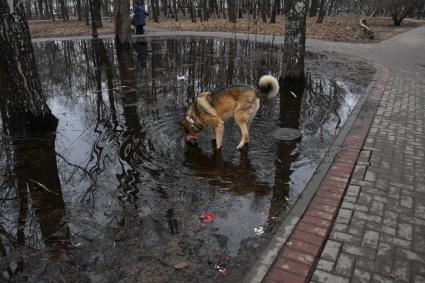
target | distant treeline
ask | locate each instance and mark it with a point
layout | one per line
(202, 10)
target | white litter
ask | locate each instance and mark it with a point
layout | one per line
(259, 231)
(293, 94)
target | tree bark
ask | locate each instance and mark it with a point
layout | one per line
(313, 8)
(97, 14)
(232, 10)
(64, 10)
(86, 11)
(122, 24)
(22, 105)
(175, 10)
(36, 167)
(274, 11)
(331, 5)
(79, 16)
(322, 12)
(294, 45)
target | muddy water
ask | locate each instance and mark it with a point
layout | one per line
(117, 195)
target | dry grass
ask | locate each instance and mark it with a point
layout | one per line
(62, 29)
(336, 28)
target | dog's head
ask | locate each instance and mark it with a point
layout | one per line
(192, 125)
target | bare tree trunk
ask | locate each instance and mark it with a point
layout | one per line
(175, 10)
(122, 24)
(155, 10)
(79, 16)
(86, 11)
(313, 8)
(331, 4)
(264, 10)
(274, 11)
(40, 8)
(22, 105)
(64, 10)
(232, 10)
(294, 46)
(28, 10)
(192, 12)
(322, 12)
(96, 13)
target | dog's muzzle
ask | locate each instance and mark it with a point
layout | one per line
(193, 125)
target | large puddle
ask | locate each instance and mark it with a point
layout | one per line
(117, 195)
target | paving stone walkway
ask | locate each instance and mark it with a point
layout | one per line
(379, 233)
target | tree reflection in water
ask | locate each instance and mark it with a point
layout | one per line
(120, 180)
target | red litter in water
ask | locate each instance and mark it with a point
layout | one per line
(207, 217)
(223, 270)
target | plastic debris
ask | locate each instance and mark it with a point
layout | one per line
(293, 94)
(259, 231)
(78, 244)
(222, 270)
(289, 244)
(208, 217)
(181, 78)
(182, 265)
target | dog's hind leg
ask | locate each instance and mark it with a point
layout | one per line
(242, 120)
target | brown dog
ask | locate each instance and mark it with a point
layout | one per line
(241, 102)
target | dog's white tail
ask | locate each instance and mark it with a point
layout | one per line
(268, 86)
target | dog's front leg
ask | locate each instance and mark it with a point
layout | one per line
(219, 130)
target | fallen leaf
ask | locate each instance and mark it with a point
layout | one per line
(182, 265)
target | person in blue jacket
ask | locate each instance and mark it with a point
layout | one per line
(139, 16)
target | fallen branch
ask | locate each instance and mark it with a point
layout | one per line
(366, 29)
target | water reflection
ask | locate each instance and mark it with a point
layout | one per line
(124, 184)
(39, 189)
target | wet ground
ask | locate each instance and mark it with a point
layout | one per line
(116, 194)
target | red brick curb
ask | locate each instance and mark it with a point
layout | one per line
(296, 261)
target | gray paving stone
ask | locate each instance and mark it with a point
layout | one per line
(325, 277)
(385, 253)
(367, 217)
(406, 201)
(358, 251)
(410, 255)
(357, 227)
(353, 191)
(344, 265)
(364, 199)
(325, 265)
(344, 216)
(370, 239)
(376, 278)
(420, 211)
(390, 218)
(377, 208)
(345, 237)
(401, 271)
(405, 231)
(373, 266)
(331, 250)
(360, 276)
